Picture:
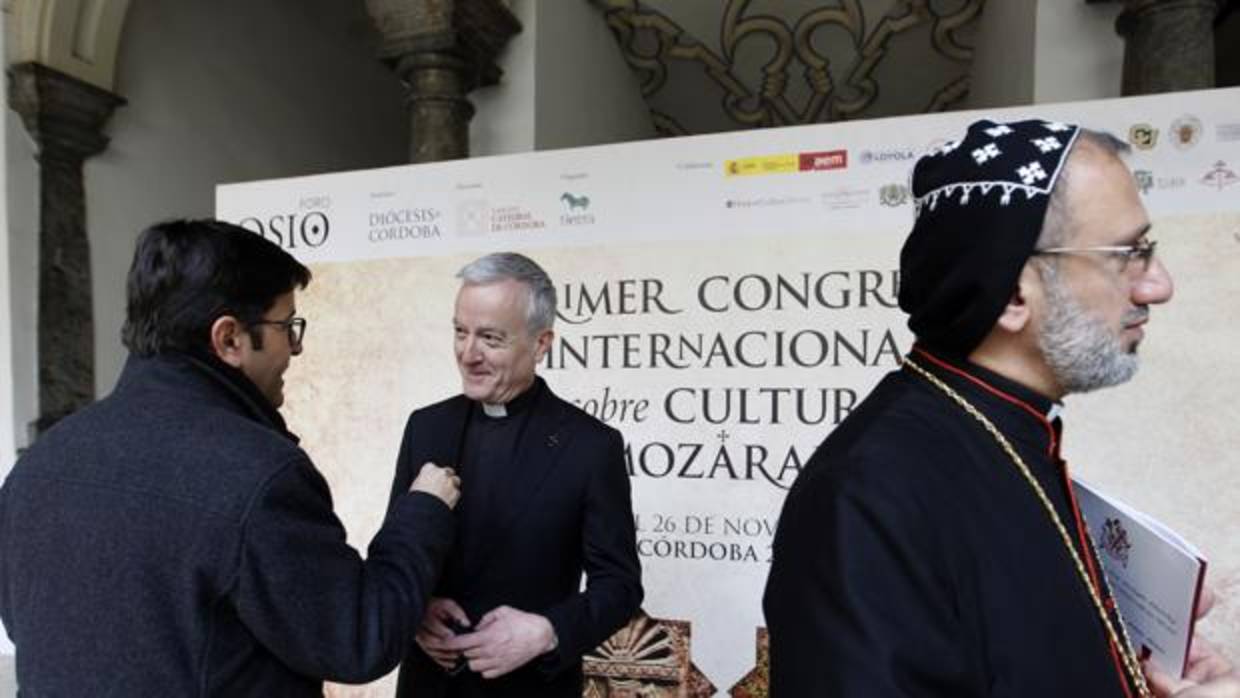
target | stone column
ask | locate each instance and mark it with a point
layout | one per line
(442, 49)
(65, 116)
(1168, 45)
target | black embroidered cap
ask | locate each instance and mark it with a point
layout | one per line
(979, 204)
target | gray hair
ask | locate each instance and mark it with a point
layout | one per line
(504, 266)
(1082, 352)
(1058, 220)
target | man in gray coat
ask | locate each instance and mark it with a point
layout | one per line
(173, 539)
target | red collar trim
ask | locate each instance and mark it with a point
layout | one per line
(1051, 450)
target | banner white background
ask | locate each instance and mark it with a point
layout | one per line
(725, 322)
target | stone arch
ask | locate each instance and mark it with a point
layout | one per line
(79, 38)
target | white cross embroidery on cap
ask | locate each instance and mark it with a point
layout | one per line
(986, 152)
(996, 131)
(1047, 144)
(948, 147)
(1031, 173)
(1056, 126)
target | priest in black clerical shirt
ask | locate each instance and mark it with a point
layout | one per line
(932, 547)
(544, 497)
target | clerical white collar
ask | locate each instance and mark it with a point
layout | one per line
(496, 409)
(1055, 411)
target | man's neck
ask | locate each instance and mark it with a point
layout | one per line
(502, 408)
(1030, 370)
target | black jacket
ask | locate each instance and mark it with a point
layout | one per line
(566, 511)
(173, 540)
(912, 559)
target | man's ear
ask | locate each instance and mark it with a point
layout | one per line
(1018, 312)
(229, 340)
(542, 344)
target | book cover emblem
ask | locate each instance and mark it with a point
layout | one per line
(1115, 541)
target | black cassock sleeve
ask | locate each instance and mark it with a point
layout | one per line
(859, 602)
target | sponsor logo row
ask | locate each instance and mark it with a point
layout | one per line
(839, 199)
(785, 163)
(310, 227)
(313, 228)
(1218, 177)
(1184, 133)
(816, 161)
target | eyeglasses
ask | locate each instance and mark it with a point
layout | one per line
(294, 326)
(1142, 252)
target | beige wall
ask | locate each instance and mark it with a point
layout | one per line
(586, 95)
(565, 85)
(1077, 54)
(1044, 51)
(1003, 56)
(504, 122)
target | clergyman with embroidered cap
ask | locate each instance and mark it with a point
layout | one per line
(932, 546)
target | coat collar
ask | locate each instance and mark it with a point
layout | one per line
(202, 376)
(1024, 414)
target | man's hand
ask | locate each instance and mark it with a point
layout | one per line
(1205, 663)
(1166, 687)
(1209, 674)
(505, 639)
(435, 632)
(441, 482)
(1205, 602)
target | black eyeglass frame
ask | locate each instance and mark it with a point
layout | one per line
(295, 327)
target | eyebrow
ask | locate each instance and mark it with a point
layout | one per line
(456, 324)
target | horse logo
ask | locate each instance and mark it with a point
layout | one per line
(575, 202)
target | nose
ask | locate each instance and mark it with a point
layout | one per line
(469, 349)
(1154, 286)
(295, 349)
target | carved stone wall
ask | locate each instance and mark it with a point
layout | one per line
(790, 62)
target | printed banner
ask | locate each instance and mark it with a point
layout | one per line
(725, 301)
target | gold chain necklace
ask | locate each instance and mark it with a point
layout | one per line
(1124, 648)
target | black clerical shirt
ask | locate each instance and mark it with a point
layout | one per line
(913, 559)
(488, 449)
